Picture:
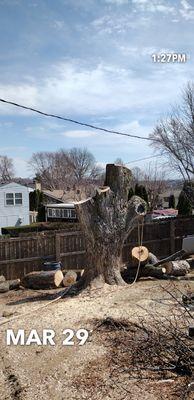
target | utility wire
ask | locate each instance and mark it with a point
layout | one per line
(145, 158)
(73, 121)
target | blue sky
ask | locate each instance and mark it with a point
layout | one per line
(89, 60)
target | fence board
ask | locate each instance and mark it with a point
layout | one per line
(19, 256)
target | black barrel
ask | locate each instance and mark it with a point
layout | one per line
(51, 266)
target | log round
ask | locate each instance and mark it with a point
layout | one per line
(69, 278)
(43, 279)
(140, 253)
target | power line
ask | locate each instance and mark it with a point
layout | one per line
(73, 121)
(145, 158)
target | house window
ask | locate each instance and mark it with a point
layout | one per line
(9, 199)
(73, 214)
(13, 199)
(18, 198)
(50, 214)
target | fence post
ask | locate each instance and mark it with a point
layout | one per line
(57, 246)
(172, 236)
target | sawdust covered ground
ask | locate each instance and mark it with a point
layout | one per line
(83, 372)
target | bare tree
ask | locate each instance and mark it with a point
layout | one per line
(174, 135)
(52, 168)
(6, 169)
(119, 161)
(154, 180)
(83, 164)
(60, 169)
(136, 175)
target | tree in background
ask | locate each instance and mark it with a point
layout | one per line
(184, 205)
(174, 135)
(6, 169)
(154, 181)
(62, 169)
(36, 204)
(171, 202)
(83, 165)
(131, 193)
(140, 191)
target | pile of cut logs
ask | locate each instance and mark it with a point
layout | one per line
(177, 264)
(6, 285)
(40, 280)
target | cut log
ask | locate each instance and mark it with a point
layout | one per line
(43, 279)
(69, 278)
(152, 259)
(4, 287)
(140, 253)
(2, 278)
(176, 256)
(145, 271)
(177, 268)
(14, 284)
(190, 260)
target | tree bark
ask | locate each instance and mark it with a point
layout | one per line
(107, 219)
(177, 268)
(147, 270)
(43, 279)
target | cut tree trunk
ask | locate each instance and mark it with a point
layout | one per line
(43, 279)
(107, 219)
(69, 278)
(177, 268)
(147, 270)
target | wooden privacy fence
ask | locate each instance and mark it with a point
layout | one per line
(21, 255)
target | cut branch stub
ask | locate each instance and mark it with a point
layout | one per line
(107, 219)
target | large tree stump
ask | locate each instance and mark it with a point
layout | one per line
(107, 219)
(43, 279)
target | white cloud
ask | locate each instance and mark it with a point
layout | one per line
(71, 90)
(187, 11)
(117, 2)
(109, 24)
(154, 6)
(79, 133)
(8, 149)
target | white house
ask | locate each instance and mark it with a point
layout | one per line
(14, 205)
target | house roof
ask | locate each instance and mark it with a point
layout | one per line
(11, 183)
(166, 212)
(70, 196)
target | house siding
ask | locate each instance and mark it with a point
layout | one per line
(10, 214)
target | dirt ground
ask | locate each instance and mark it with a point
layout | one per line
(80, 372)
